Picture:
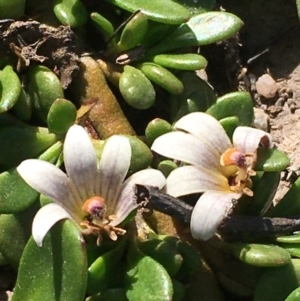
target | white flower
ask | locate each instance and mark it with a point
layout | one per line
(95, 197)
(216, 167)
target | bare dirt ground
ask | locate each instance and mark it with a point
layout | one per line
(271, 27)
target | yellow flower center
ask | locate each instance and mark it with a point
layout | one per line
(238, 167)
(96, 220)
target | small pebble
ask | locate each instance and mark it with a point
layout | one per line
(266, 86)
(261, 120)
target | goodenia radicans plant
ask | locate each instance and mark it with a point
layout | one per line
(219, 169)
(94, 196)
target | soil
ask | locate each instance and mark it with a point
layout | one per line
(271, 28)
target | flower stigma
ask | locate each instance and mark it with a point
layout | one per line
(96, 221)
(239, 169)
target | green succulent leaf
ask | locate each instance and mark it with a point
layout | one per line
(16, 226)
(10, 88)
(214, 27)
(289, 239)
(102, 271)
(202, 29)
(113, 294)
(57, 270)
(276, 283)
(290, 204)
(16, 195)
(185, 61)
(197, 96)
(294, 295)
(293, 249)
(134, 32)
(237, 104)
(103, 25)
(70, 12)
(156, 128)
(197, 7)
(260, 255)
(61, 116)
(229, 124)
(20, 143)
(164, 11)
(162, 77)
(271, 160)
(264, 192)
(146, 279)
(163, 252)
(136, 88)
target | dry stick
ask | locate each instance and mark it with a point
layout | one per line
(234, 227)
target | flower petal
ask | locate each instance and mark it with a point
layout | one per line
(80, 160)
(190, 179)
(48, 180)
(186, 148)
(114, 165)
(209, 211)
(247, 139)
(127, 200)
(45, 218)
(207, 128)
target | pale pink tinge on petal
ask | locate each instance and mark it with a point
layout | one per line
(247, 139)
(50, 181)
(45, 218)
(114, 165)
(186, 148)
(191, 179)
(127, 200)
(209, 212)
(80, 160)
(207, 128)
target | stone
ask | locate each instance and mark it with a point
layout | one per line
(266, 86)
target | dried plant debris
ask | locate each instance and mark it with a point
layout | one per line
(33, 41)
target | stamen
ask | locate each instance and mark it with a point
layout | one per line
(233, 157)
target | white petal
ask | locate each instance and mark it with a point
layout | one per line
(45, 218)
(186, 148)
(48, 180)
(190, 179)
(114, 165)
(209, 211)
(80, 160)
(247, 139)
(127, 201)
(207, 128)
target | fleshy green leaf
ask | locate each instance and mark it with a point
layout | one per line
(237, 104)
(290, 204)
(290, 239)
(197, 7)
(202, 29)
(276, 284)
(164, 253)
(213, 27)
(197, 96)
(294, 295)
(164, 11)
(61, 116)
(264, 192)
(146, 279)
(18, 227)
(55, 272)
(260, 255)
(271, 160)
(293, 249)
(185, 61)
(20, 143)
(229, 124)
(103, 270)
(16, 195)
